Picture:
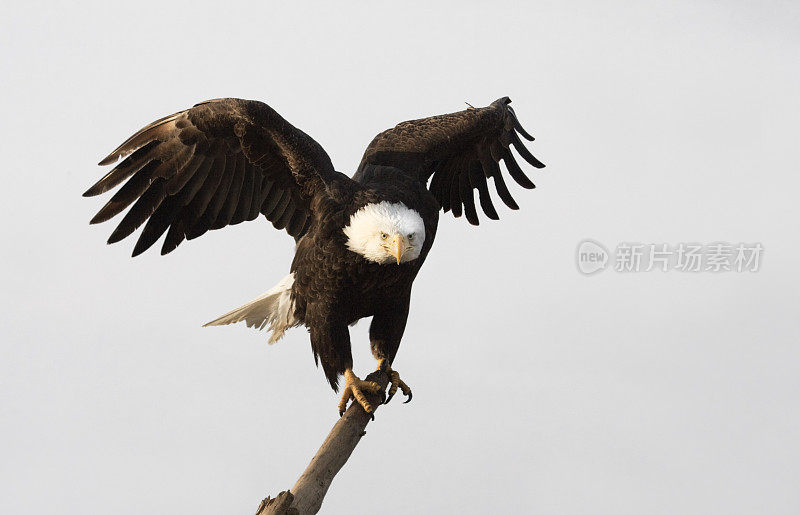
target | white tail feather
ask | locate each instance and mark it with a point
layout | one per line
(274, 308)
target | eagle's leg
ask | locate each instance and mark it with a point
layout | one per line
(354, 388)
(394, 381)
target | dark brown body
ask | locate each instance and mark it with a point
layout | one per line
(335, 287)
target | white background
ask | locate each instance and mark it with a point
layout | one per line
(536, 389)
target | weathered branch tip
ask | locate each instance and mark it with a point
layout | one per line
(306, 496)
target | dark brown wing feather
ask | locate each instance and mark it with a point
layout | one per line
(219, 163)
(458, 152)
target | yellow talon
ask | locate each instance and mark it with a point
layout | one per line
(395, 382)
(354, 389)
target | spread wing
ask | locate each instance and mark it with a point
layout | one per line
(458, 152)
(219, 163)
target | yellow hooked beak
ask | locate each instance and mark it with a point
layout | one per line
(398, 246)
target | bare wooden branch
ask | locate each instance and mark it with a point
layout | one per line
(306, 495)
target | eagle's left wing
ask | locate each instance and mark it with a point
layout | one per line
(458, 152)
(219, 163)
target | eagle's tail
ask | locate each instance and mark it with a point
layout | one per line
(275, 308)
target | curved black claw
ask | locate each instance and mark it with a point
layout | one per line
(410, 395)
(372, 416)
(388, 398)
(341, 414)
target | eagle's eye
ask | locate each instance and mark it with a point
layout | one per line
(410, 237)
(384, 235)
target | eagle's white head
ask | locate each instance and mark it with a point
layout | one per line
(386, 232)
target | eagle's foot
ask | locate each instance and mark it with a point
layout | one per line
(395, 382)
(354, 388)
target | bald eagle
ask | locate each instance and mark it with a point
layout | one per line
(360, 240)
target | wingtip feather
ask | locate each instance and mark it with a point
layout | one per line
(525, 134)
(97, 188)
(139, 249)
(114, 238)
(109, 159)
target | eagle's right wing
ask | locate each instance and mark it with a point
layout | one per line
(458, 152)
(219, 163)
